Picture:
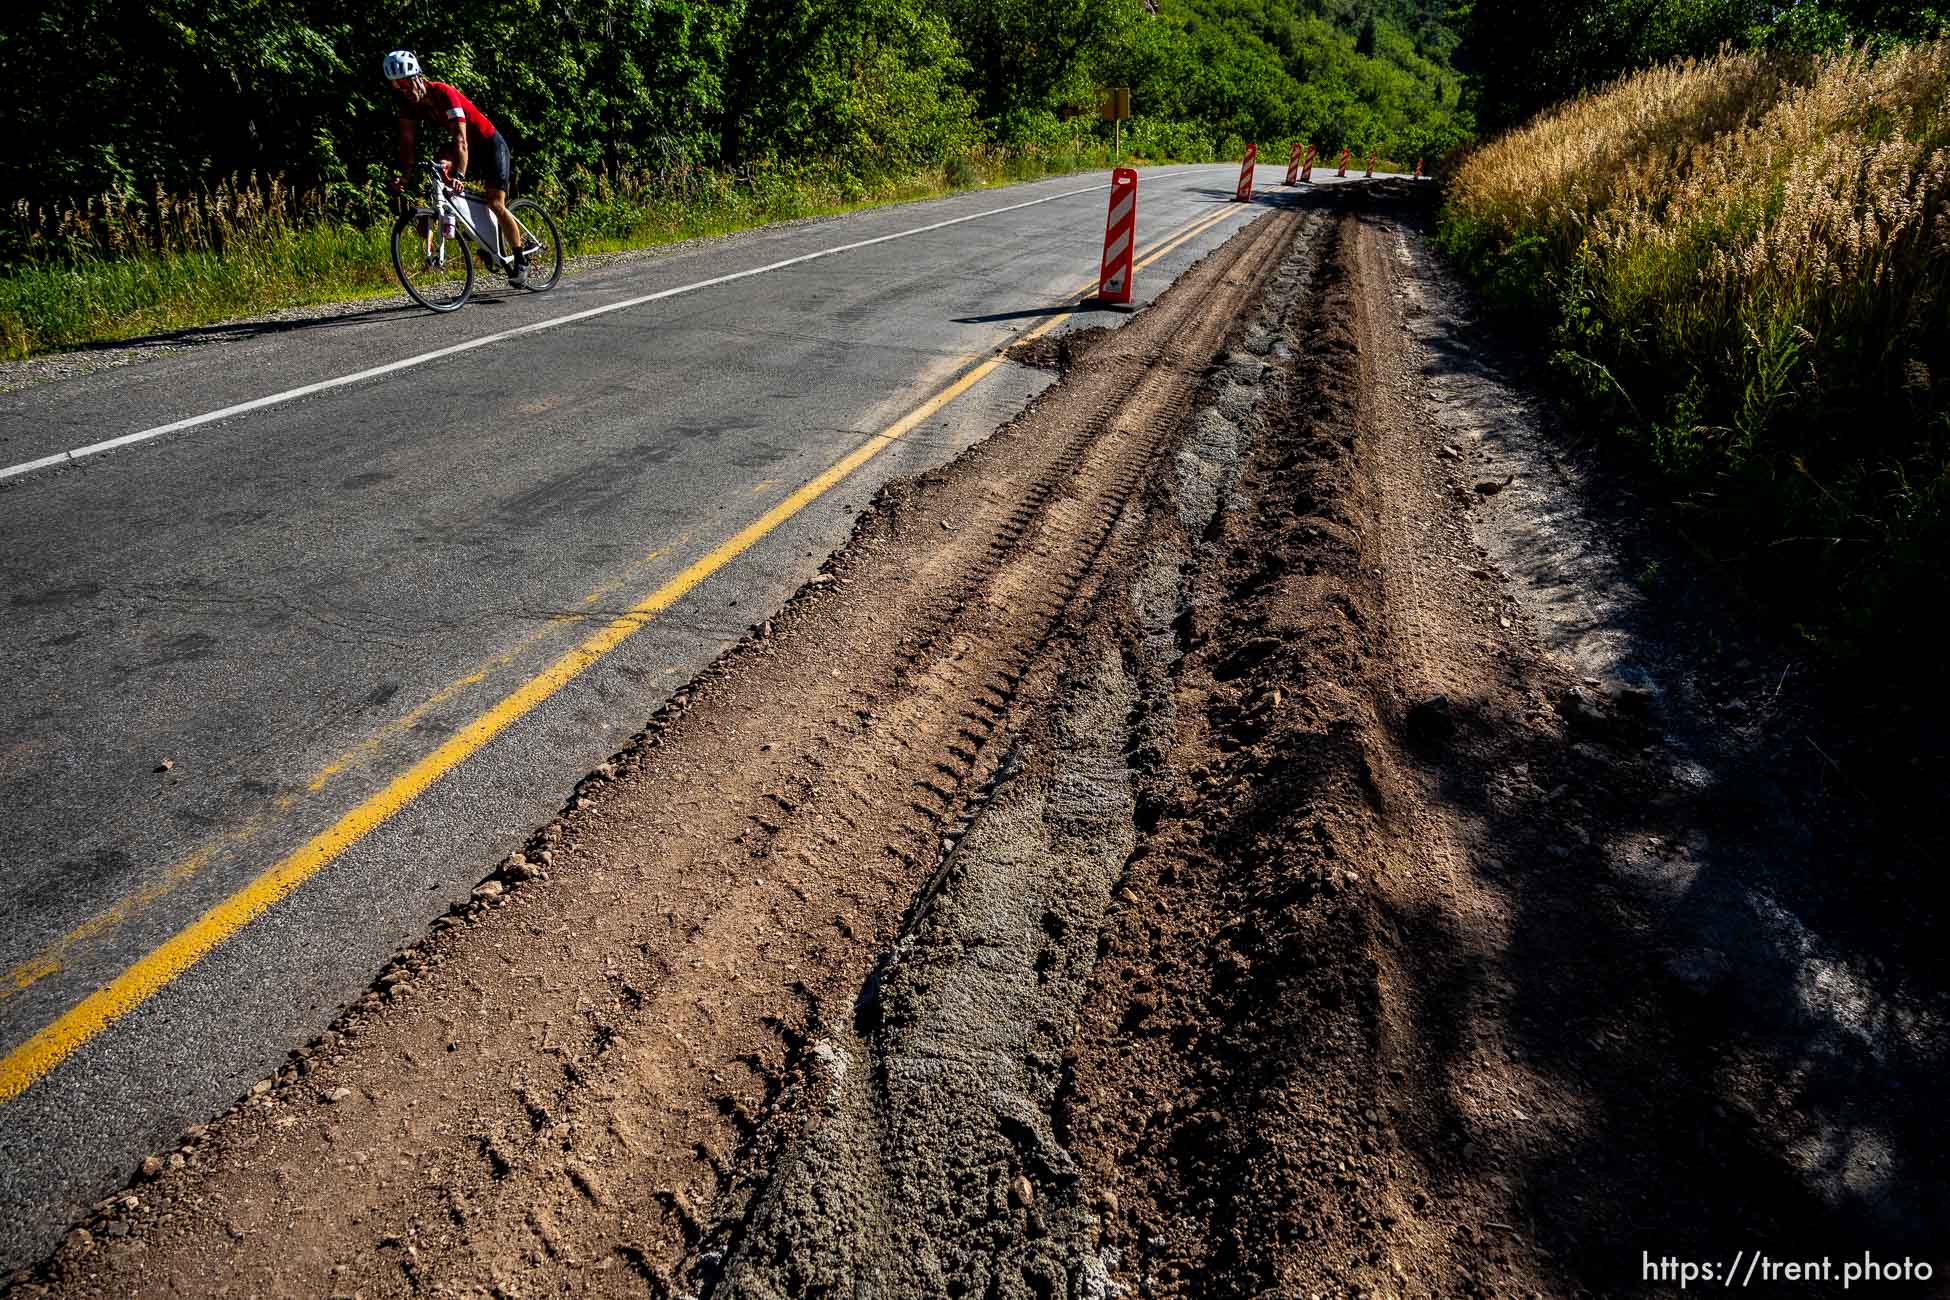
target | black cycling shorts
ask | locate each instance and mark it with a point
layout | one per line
(492, 163)
(494, 166)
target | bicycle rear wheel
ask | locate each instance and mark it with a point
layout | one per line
(541, 243)
(436, 272)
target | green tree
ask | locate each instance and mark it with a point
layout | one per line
(873, 85)
(1035, 54)
(102, 95)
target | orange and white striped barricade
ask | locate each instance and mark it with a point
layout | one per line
(1370, 172)
(1120, 238)
(1345, 151)
(1418, 169)
(1307, 170)
(1293, 166)
(1244, 194)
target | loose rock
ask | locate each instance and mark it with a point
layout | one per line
(1580, 711)
(1432, 719)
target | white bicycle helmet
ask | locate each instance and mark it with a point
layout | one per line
(400, 63)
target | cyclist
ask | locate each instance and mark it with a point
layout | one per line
(474, 141)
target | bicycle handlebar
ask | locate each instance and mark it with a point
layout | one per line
(442, 171)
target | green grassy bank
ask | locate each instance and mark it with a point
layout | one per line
(113, 269)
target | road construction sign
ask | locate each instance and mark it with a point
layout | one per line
(1120, 238)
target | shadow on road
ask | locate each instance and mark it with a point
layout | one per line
(1034, 313)
(237, 331)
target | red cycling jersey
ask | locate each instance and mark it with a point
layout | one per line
(444, 104)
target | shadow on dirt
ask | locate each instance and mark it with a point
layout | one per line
(1721, 958)
(1741, 1077)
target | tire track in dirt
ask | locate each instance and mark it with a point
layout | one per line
(562, 1088)
(1077, 889)
(1226, 1052)
(928, 1161)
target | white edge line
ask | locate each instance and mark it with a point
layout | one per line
(324, 385)
(58, 458)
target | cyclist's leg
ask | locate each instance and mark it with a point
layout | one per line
(497, 169)
(497, 201)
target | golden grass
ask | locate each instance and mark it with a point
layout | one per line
(1747, 257)
(1707, 186)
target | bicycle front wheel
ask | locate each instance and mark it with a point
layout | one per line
(435, 271)
(541, 243)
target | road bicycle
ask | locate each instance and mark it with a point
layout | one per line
(431, 244)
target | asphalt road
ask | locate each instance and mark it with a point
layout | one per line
(291, 610)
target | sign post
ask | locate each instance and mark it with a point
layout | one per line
(1114, 105)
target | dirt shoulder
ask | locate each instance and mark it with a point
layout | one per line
(1243, 829)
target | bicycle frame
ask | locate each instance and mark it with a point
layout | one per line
(440, 204)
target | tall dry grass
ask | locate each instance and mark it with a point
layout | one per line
(111, 226)
(1745, 259)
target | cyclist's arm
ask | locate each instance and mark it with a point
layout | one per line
(406, 151)
(459, 128)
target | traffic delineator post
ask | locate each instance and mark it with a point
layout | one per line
(1293, 166)
(1418, 169)
(1120, 238)
(1244, 194)
(1307, 172)
(1345, 151)
(1369, 174)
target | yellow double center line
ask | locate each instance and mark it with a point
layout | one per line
(48, 1047)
